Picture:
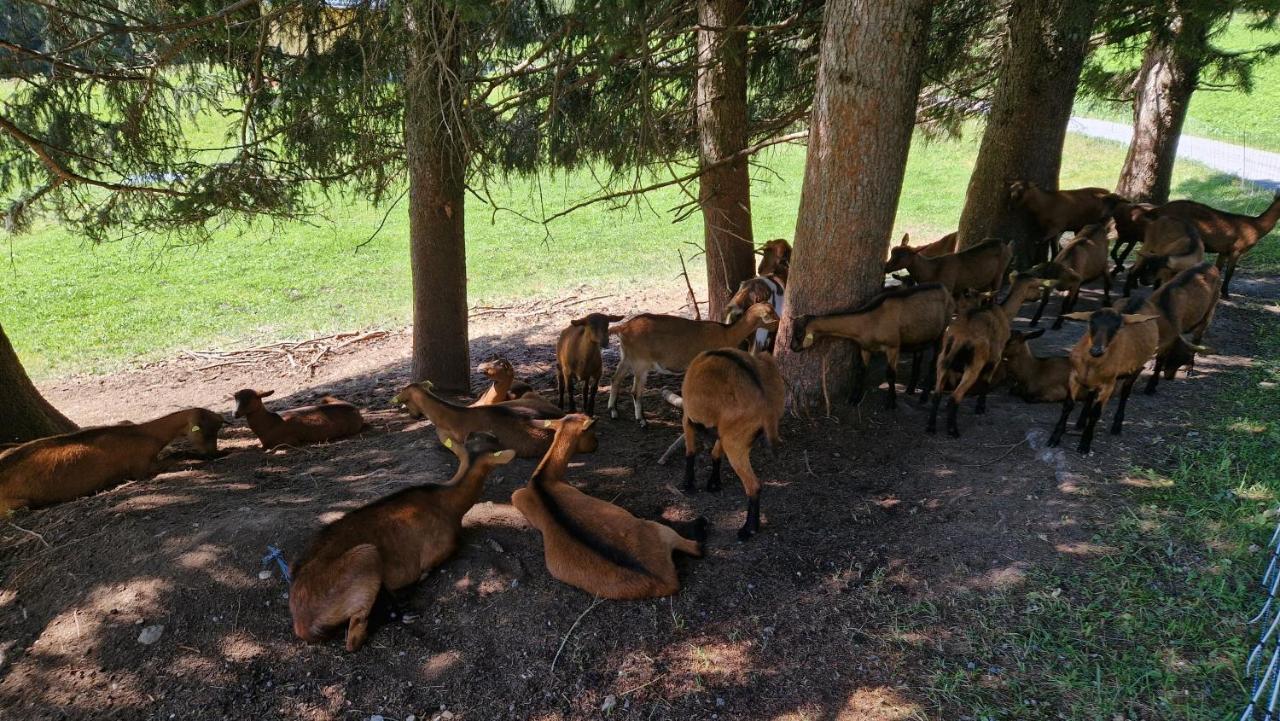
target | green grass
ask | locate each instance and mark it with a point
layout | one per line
(1156, 630)
(69, 306)
(1248, 119)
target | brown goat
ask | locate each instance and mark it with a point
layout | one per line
(390, 543)
(1131, 225)
(1230, 235)
(979, 268)
(64, 467)
(578, 356)
(503, 385)
(972, 349)
(668, 343)
(329, 421)
(1169, 246)
(907, 319)
(1113, 349)
(1060, 211)
(516, 427)
(769, 289)
(946, 245)
(1032, 378)
(595, 545)
(736, 397)
(775, 259)
(1080, 261)
(1184, 305)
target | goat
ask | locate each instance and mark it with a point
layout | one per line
(909, 318)
(515, 426)
(1080, 261)
(668, 343)
(61, 468)
(1060, 211)
(972, 349)
(946, 245)
(1034, 379)
(1113, 349)
(592, 544)
(979, 268)
(503, 385)
(1184, 305)
(578, 356)
(1230, 235)
(1169, 246)
(760, 289)
(329, 421)
(775, 259)
(389, 543)
(1131, 225)
(735, 396)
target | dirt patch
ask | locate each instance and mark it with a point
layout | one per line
(863, 510)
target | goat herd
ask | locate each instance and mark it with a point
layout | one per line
(729, 396)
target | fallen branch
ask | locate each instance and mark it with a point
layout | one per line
(565, 640)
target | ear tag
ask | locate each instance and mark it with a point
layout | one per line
(448, 443)
(497, 454)
(195, 429)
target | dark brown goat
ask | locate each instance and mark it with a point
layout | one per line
(389, 544)
(1169, 246)
(1080, 261)
(1061, 211)
(980, 268)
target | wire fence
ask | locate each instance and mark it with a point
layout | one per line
(1262, 669)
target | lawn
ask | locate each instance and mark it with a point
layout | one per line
(69, 306)
(1248, 119)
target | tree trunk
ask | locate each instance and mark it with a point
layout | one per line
(724, 192)
(24, 413)
(1040, 69)
(436, 161)
(1162, 91)
(859, 135)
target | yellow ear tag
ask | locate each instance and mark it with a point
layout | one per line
(448, 443)
(808, 336)
(497, 454)
(195, 429)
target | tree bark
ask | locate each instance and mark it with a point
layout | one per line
(1162, 92)
(859, 135)
(724, 192)
(24, 413)
(436, 161)
(1027, 125)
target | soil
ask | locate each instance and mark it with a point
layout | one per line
(864, 512)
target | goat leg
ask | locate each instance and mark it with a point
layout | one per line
(1086, 440)
(1068, 404)
(1068, 305)
(857, 376)
(891, 376)
(560, 386)
(1044, 301)
(953, 408)
(569, 387)
(932, 425)
(1152, 382)
(1084, 412)
(1118, 422)
(717, 456)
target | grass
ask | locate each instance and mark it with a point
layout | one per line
(1229, 115)
(1156, 629)
(69, 306)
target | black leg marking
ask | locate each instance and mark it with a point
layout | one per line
(932, 425)
(689, 486)
(1117, 423)
(713, 480)
(1061, 426)
(753, 518)
(953, 407)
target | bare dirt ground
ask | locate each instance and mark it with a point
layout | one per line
(862, 510)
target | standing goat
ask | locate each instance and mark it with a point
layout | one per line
(1131, 225)
(737, 397)
(592, 544)
(578, 356)
(329, 421)
(1230, 235)
(979, 268)
(775, 259)
(668, 343)
(910, 319)
(1060, 211)
(1113, 350)
(65, 467)
(1169, 246)
(760, 289)
(1080, 261)
(389, 543)
(1184, 305)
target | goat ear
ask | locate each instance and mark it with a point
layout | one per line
(503, 457)
(615, 318)
(588, 423)
(578, 321)
(1079, 315)
(264, 394)
(906, 240)
(1028, 335)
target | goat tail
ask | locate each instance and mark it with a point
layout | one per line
(672, 398)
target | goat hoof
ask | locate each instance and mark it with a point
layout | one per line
(613, 413)
(744, 534)
(643, 423)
